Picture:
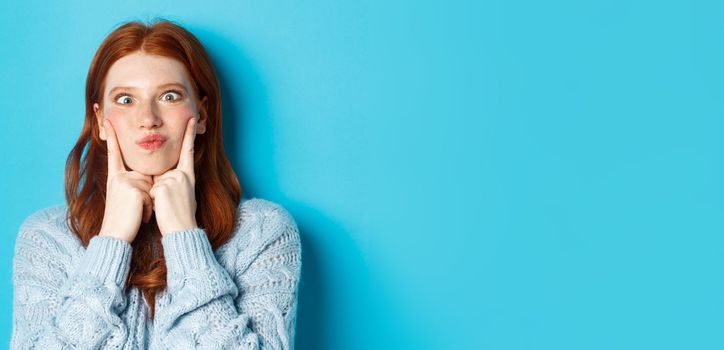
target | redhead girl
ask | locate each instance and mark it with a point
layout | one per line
(155, 247)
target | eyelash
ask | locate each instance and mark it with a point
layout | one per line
(181, 95)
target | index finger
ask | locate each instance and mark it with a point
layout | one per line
(186, 159)
(115, 161)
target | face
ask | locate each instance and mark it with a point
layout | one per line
(149, 100)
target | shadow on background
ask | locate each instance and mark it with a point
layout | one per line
(240, 84)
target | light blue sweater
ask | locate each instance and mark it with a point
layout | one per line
(242, 296)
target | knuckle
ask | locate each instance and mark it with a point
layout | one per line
(136, 193)
(161, 188)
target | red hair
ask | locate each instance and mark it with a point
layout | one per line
(218, 191)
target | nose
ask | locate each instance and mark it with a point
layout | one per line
(148, 116)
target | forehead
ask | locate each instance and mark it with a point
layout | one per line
(144, 71)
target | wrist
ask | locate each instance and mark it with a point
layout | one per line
(178, 228)
(109, 235)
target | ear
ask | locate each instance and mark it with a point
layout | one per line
(203, 116)
(99, 117)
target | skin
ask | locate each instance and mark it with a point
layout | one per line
(143, 181)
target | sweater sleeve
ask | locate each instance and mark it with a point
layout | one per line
(54, 308)
(204, 307)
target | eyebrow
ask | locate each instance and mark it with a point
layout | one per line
(160, 87)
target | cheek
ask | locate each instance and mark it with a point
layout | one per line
(182, 112)
(117, 117)
(119, 121)
(121, 126)
(174, 120)
(178, 119)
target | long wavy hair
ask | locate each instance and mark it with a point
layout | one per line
(218, 191)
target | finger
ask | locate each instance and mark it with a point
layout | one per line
(115, 160)
(158, 178)
(142, 185)
(186, 159)
(152, 191)
(158, 182)
(138, 176)
(147, 208)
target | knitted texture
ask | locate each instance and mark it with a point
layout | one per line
(242, 296)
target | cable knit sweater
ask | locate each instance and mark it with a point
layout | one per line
(242, 296)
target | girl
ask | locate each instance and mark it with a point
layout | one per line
(155, 247)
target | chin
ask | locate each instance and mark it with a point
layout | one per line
(150, 169)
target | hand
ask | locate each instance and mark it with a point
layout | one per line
(127, 198)
(173, 192)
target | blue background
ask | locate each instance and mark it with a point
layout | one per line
(465, 174)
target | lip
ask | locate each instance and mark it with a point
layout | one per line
(152, 142)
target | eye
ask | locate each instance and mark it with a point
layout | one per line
(171, 96)
(123, 99)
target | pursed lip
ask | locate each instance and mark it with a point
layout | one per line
(152, 142)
